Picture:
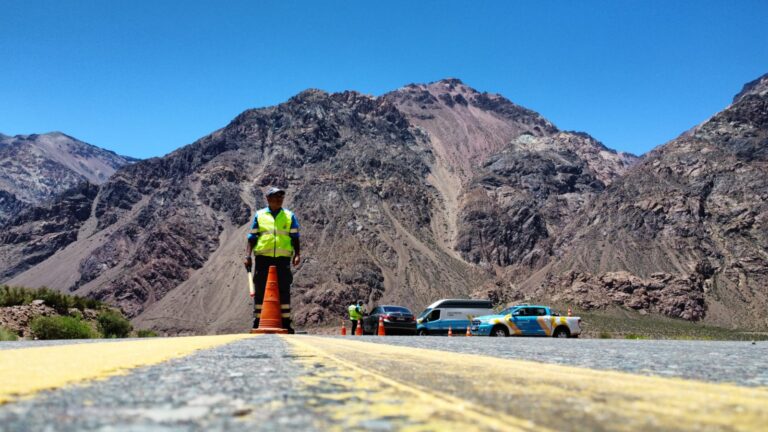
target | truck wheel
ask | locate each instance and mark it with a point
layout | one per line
(562, 332)
(499, 331)
(423, 332)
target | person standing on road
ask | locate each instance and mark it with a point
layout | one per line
(274, 241)
(355, 314)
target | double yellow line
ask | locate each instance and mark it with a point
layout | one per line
(431, 388)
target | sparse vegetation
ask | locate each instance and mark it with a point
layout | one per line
(61, 327)
(113, 325)
(146, 333)
(62, 303)
(7, 335)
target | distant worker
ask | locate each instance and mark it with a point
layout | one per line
(274, 241)
(355, 314)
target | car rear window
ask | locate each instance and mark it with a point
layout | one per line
(392, 309)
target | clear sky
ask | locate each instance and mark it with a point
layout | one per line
(143, 78)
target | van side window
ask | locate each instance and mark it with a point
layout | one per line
(541, 312)
(435, 315)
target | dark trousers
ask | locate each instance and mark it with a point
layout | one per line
(354, 325)
(284, 281)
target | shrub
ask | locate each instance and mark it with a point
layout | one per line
(14, 296)
(635, 336)
(17, 296)
(605, 335)
(146, 333)
(113, 325)
(7, 335)
(61, 327)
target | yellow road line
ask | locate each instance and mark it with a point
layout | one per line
(25, 371)
(362, 395)
(549, 396)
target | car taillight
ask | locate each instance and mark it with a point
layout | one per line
(386, 317)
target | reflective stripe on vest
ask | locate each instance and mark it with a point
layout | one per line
(274, 234)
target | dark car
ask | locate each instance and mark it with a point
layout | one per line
(397, 320)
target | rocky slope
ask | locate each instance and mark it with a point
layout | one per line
(36, 168)
(37, 232)
(434, 190)
(684, 232)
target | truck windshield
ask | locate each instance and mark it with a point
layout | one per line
(425, 313)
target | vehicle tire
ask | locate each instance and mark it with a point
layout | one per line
(423, 332)
(499, 331)
(562, 332)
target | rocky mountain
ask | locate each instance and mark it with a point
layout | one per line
(36, 168)
(507, 177)
(35, 233)
(684, 232)
(384, 194)
(433, 190)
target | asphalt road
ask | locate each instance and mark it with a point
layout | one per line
(716, 361)
(395, 383)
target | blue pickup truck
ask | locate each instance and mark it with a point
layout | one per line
(526, 320)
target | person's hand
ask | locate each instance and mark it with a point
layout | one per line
(296, 260)
(248, 263)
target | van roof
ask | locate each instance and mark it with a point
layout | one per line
(459, 303)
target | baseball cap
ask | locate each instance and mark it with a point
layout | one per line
(275, 191)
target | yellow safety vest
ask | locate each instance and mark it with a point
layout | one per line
(353, 313)
(274, 234)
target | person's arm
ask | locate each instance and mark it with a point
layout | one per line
(296, 250)
(252, 238)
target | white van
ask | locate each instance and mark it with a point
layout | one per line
(454, 313)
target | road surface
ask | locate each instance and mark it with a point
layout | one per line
(243, 382)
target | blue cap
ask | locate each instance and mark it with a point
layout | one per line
(274, 190)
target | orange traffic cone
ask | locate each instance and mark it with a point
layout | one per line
(271, 320)
(450, 332)
(468, 332)
(343, 329)
(359, 330)
(569, 311)
(382, 332)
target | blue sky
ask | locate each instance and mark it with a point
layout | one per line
(143, 78)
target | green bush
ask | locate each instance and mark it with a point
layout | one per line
(16, 296)
(146, 333)
(605, 335)
(61, 327)
(635, 336)
(113, 325)
(7, 335)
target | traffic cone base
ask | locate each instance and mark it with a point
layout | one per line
(359, 329)
(469, 333)
(271, 321)
(450, 332)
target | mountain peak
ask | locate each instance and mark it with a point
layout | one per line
(757, 86)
